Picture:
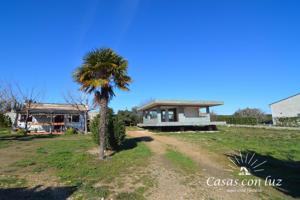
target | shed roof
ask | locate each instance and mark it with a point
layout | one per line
(56, 108)
(200, 103)
(284, 99)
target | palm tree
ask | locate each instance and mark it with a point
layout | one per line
(102, 71)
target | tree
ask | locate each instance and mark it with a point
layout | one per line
(13, 97)
(102, 71)
(115, 133)
(77, 102)
(251, 112)
(130, 118)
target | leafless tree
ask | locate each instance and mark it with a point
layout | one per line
(5, 101)
(15, 98)
(77, 101)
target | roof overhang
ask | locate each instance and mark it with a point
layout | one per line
(157, 103)
(39, 108)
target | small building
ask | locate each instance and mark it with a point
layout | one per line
(48, 117)
(178, 114)
(287, 109)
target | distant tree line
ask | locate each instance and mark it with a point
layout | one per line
(130, 117)
(247, 116)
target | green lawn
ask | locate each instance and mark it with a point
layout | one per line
(4, 131)
(280, 148)
(66, 158)
(181, 161)
(281, 144)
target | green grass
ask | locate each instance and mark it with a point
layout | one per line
(129, 196)
(67, 158)
(181, 161)
(4, 131)
(281, 144)
(11, 181)
(133, 128)
(280, 148)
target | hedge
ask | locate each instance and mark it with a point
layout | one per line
(237, 120)
(115, 132)
(288, 121)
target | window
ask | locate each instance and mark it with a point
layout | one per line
(69, 118)
(172, 115)
(153, 114)
(23, 118)
(75, 118)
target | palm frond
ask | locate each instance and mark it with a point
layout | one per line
(102, 70)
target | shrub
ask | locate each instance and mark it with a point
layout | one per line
(21, 132)
(288, 121)
(5, 121)
(115, 132)
(237, 120)
(71, 131)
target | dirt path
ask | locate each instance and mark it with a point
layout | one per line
(173, 185)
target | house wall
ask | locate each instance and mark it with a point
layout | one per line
(46, 128)
(286, 108)
(192, 114)
(185, 115)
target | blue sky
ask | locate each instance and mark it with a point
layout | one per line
(245, 53)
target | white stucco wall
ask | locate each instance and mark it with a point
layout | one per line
(287, 108)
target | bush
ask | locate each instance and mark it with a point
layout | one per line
(71, 131)
(21, 132)
(115, 132)
(288, 121)
(5, 121)
(237, 120)
(130, 118)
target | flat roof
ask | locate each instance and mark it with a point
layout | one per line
(284, 99)
(201, 103)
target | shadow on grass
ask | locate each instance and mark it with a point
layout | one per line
(37, 192)
(273, 170)
(131, 143)
(25, 137)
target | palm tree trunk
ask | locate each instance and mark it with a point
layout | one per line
(85, 122)
(102, 127)
(26, 122)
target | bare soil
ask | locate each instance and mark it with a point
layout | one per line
(174, 185)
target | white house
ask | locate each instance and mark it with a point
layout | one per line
(178, 113)
(286, 108)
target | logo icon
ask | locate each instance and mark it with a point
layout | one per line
(244, 171)
(245, 163)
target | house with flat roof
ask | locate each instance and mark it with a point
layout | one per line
(178, 113)
(286, 108)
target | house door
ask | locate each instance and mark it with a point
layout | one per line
(59, 123)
